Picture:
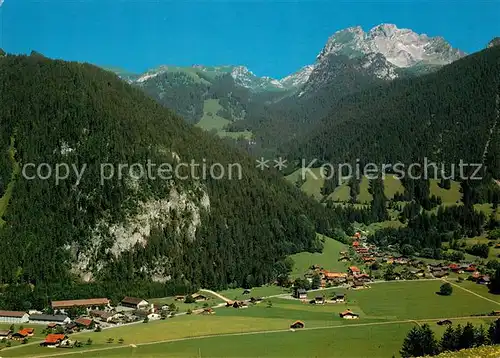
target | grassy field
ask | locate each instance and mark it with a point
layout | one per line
(328, 259)
(236, 294)
(211, 121)
(417, 300)
(341, 193)
(183, 307)
(374, 341)
(387, 311)
(313, 183)
(392, 185)
(487, 209)
(450, 196)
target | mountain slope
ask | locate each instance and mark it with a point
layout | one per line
(208, 232)
(445, 116)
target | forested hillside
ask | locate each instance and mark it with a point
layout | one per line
(446, 116)
(278, 122)
(185, 232)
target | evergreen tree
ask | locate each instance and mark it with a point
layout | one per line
(420, 341)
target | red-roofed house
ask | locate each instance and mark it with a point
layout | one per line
(29, 332)
(85, 323)
(471, 268)
(454, 267)
(53, 339)
(355, 244)
(354, 270)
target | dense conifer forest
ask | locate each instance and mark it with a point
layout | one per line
(445, 116)
(55, 111)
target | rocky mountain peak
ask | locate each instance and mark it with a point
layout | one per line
(401, 47)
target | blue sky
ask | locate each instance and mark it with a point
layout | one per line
(271, 38)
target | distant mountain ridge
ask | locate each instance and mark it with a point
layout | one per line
(401, 48)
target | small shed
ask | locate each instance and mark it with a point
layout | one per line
(297, 324)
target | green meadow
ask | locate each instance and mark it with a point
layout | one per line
(328, 259)
(237, 294)
(386, 312)
(372, 341)
(312, 184)
(449, 196)
(211, 121)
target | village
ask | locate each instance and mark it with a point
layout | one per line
(94, 314)
(365, 265)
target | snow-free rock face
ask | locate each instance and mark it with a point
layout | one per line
(298, 78)
(494, 42)
(401, 47)
(137, 229)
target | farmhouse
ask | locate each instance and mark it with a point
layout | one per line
(348, 314)
(483, 280)
(199, 297)
(14, 317)
(353, 270)
(301, 294)
(136, 303)
(19, 336)
(357, 284)
(362, 277)
(46, 319)
(180, 298)
(418, 273)
(344, 259)
(319, 299)
(439, 274)
(338, 277)
(89, 304)
(28, 331)
(54, 340)
(339, 297)
(5, 334)
(297, 324)
(85, 323)
(102, 315)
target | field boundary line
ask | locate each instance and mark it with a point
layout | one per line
(218, 295)
(472, 292)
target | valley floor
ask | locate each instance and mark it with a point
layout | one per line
(387, 312)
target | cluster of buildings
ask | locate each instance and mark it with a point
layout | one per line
(440, 270)
(93, 312)
(8, 334)
(353, 278)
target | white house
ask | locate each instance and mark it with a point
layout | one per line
(153, 316)
(14, 317)
(348, 314)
